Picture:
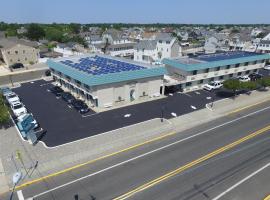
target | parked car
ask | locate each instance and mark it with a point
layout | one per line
(57, 90)
(5, 91)
(18, 108)
(80, 106)
(267, 67)
(12, 97)
(213, 85)
(255, 76)
(66, 96)
(17, 66)
(244, 79)
(33, 121)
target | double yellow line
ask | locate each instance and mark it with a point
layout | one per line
(191, 164)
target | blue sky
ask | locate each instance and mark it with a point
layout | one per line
(136, 11)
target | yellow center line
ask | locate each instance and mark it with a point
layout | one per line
(191, 164)
(93, 161)
(246, 107)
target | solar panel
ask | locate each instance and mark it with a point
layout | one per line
(98, 65)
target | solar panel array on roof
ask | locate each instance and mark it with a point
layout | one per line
(224, 56)
(99, 65)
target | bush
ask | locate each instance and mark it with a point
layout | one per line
(248, 85)
(232, 84)
(264, 82)
(4, 114)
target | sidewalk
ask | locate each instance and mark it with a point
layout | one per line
(55, 159)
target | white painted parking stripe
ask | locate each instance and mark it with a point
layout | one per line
(174, 114)
(20, 195)
(240, 182)
(193, 107)
(208, 98)
(127, 115)
(197, 93)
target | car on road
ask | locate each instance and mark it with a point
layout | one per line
(255, 76)
(66, 96)
(18, 108)
(244, 79)
(12, 97)
(213, 85)
(267, 67)
(80, 106)
(57, 90)
(17, 66)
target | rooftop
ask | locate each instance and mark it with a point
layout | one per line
(97, 70)
(214, 60)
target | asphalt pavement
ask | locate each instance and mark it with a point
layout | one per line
(64, 124)
(117, 175)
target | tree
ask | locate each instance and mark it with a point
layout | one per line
(53, 34)
(35, 32)
(75, 28)
(4, 114)
(250, 85)
(232, 84)
(264, 82)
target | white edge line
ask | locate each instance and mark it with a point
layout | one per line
(148, 153)
(240, 182)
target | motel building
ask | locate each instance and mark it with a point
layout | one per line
(192, 73)
(104, 81)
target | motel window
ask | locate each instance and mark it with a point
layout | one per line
(218, 68)
(247, 72)
(246, 63)
(87, 87)
(200, 82)
(221, 78)
(255, 70)
(237, 65)
(207, 70)
(212, 79)
(255, 62)
(188, 84)
(239, 73)
(194, 72)
(167, 42)
(228, 67)
(231, 75)
(16, 52)
(78, 82)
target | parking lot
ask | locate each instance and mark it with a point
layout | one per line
(64, 124)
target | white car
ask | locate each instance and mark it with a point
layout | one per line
(244, 79)
(18, 108)
(213, 85)
(12, 97)
(267, 67)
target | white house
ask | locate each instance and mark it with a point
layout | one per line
(264, 45)
(153, 51)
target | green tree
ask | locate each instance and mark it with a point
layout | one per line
(75, 28)
(264, 82)
(250, 85)
(4, 114)
(232, 84)
(54, 34)
(35, 32)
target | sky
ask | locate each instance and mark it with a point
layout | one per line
(136, 11)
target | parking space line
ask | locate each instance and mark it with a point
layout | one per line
(84, 116)
(193, 107)
(20, 195)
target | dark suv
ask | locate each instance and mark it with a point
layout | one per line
(66, 96)
(255, 76)
(80, 106)
(57, 91)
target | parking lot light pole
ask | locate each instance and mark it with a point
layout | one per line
(162, 113)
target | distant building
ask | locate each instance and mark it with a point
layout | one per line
(264, 45)
(185, 74)
(70, 49)
(217, 42)
(153, 51)
(18, 51)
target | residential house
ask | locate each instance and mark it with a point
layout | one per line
(216, 42)
(264, 45)
(153, 51)
(13, 50)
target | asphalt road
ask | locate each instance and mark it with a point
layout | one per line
(115, 176)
